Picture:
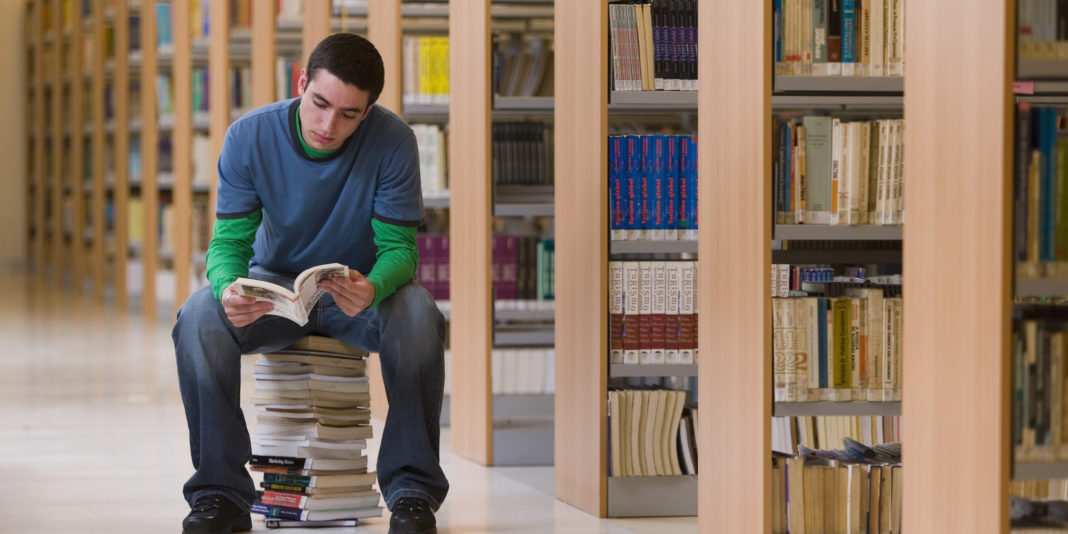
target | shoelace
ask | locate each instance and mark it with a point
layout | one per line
(206, 504)
(411, 506)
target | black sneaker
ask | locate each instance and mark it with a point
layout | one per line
(215, 514)
(412, 516)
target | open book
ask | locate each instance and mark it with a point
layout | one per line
(296, 303)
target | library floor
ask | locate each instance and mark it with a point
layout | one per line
(93, 439)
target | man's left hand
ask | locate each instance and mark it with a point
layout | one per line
(351, 294)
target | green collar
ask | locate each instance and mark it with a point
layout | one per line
(309, 151)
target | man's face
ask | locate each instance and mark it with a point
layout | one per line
(330, 109)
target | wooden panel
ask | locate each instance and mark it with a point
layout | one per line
(219, 78)
(384, 30)
(581, 204)
(149, 160)
(59, 154)
(316, 25)
(734, 249)
(121, 98)
(77, 156)
(182, 143)
(99, 167)
(471, 325)
(263, 52)
(37, 244)
(956, 266)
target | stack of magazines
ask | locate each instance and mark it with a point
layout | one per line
(313, 420)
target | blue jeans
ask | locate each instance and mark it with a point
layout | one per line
(406, 330)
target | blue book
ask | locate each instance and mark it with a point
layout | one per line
(617, 165)
(688, 186)
(657, 195)
(632, 222)
(849, 37)
(671, 189)
(644, 194)
(776, 31)
(787, 170)
(1047, 140)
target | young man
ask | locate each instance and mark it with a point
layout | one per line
(327, 177)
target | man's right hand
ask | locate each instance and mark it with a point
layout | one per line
(243, 311)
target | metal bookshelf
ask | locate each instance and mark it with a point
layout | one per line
(656, 101)
(653, 247)
(640, 371)
(836, 256)
(426, 112)
(835, 233)
(1041, 287)
(1039, 470)
(1037, 69)
(838, 84)
(524, 315)
(838, 102)
(652, 496)
(523, 104)
(509, 209)
(522, 338)
(781, 409)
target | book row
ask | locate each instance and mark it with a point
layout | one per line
(522, 153)
(518, 371)
(839, 37)
(790, 434)
(652, 182)
(652, 308)
(829, 171)
(651, 433)
(522, 65)
(826, 281)
(1040, 190)
(433, 160)
(814, 495)
(311, 429)
(837, 349)
(1040, 398)
(426, 70)
(653, 45)
(522, 267)
(1041, 31)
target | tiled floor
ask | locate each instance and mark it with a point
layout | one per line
(93, 439)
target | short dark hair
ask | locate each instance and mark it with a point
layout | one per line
(353, 59)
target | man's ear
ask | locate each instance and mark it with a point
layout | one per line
(302, 82)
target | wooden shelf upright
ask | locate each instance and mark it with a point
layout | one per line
(384, 30)
(316, 25)
(99, 141)
(957, 265)
(36, 249)
(471, 322)
(121, 195)
(220, 95)
(264, 25)
(77, 154)
(581, 208)
(182, 143)
(149, 158)
(60, 169)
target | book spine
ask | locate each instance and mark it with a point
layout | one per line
(776, 32)
(671, 173)
(671, 312)
(690, 172)
(818, 164)
(658, 200)
(659, 41)
(778, 350)
(616, 156)
(691, 40)
(825, 320)
(657, 338)
(281, 512)
(615, 310)
(632, 194)
(834, 38)
(632, 307)
(687, 309)
(645, 193)
(274, 498)
(819, 37)
(645, 295)
(1021, 195)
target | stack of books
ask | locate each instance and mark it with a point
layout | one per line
(313, 420)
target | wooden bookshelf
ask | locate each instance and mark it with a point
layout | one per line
(220, 95)
(263, 53)
(581, 209)
(957, 263)
(182, 151)
(384, 30)
(734, 221)
(99, 167)
(149, 159)
(77, 156)
(59, 255)
(471, 326)
(36, 245)
(121, 148)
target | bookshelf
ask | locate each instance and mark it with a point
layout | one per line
(57, 182)
(958, 293)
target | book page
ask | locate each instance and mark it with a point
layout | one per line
(306, 286)
(285, 301)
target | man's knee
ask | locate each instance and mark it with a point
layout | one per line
(414, 309)
(199, 310)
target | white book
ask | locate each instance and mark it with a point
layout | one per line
(497, 372)
(778, 350)
(876, 35)
(549, 375)
(671, 312)
(645, 310)
(802, 356)
(899, 174)
(837, 172)
(687, 307)
(862, 143)
(615, 308)
(632, 307)
(658, 313)
(293, 304)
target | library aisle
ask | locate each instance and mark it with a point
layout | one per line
(93, 440)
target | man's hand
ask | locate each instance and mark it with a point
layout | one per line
(351, 294)
(243, 311)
